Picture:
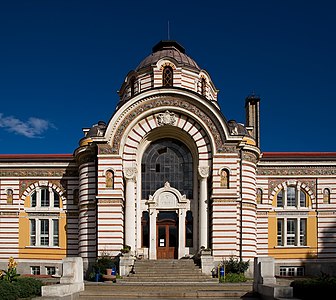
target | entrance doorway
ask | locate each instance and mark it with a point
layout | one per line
(167, 235)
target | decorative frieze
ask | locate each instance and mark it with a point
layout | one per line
(104, 149)
(149, 104)
(232, 201)
(110, 201)
(296, 171)
(229, 149)
(292, 213)
(49, 172)
(250, 156)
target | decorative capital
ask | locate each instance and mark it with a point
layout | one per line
(166, 118)
(203, 171)
(130, 173)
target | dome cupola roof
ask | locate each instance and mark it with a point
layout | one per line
(168, 49)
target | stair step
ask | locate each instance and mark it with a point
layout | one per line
(206, 291)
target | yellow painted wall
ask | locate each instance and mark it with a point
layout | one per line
(32, 252)
(293, 252)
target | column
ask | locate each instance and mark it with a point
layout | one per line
(182, 232)
(152, 233)
(203, 206)
(130, 177)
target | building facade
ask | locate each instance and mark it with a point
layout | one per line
(167, 175)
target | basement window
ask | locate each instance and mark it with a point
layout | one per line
(290, 271)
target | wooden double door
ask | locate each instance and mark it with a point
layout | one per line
(167, 235)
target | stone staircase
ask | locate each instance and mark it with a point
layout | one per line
(167, 271)
(166, 279)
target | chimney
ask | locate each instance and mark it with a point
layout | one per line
(253, 116)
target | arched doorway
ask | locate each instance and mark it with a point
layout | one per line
(167, 182)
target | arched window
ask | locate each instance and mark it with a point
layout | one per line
(259, 196)
(326, 196)
(203, 86)
(292, 197)
(189, 229)
(224, 178)
(167, 76)
(9, 196)
(167, 160)
(109, 179)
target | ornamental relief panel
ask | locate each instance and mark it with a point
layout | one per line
(149, 104)
(166, 118)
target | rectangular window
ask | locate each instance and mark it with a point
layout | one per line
(44, 197)
(300, 271)
(303, 232)
(55, 232)
(291, 271)
(32, 232)
(35, 270)
(44, 235)
(50, 270)
(280, 232)
(283, 271)
(291, 232)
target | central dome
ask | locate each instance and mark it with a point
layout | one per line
(171, 49)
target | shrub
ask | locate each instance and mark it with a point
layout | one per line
(233, 277)
(233, 265)
(28, 287)
(314, 288)
(8, 290)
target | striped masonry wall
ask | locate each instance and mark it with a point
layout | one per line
(247, 211)
(110, 206)
(87, 212)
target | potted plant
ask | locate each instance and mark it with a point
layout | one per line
(205, 251)
(125, 249)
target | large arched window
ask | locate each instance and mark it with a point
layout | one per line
(167, 76)
(291, 197)
(167, 160)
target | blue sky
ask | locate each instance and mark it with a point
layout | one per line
(62, 62)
